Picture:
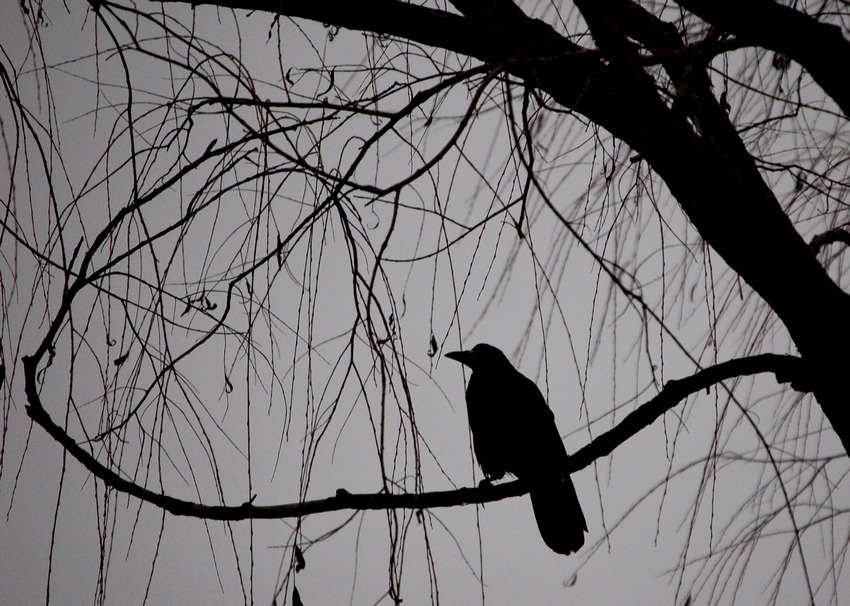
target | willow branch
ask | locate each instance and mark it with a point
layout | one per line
(788, 369)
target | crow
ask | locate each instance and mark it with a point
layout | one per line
(514, 431)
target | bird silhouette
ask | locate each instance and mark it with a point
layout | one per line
(514, 431)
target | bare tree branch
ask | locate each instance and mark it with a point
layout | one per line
(788, 369)
(818, 47)
(830, 237)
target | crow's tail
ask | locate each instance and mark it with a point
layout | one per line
(559, 516)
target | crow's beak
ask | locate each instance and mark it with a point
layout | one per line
(464, 357)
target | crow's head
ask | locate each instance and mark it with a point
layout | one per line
(483, 357)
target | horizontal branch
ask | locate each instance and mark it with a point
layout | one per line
(421, 24)
(788, 369)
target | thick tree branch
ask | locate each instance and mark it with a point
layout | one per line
(431, 27)
(788, 369)
(819, 47)
(715, 179)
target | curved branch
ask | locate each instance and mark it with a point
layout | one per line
(830, 237)
(788, 369)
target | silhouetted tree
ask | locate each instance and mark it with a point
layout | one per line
(236, 236)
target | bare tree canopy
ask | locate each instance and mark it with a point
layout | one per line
(237, 237)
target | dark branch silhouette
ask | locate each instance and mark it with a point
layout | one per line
(830, 237)
(797, 35)
(788, 369)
